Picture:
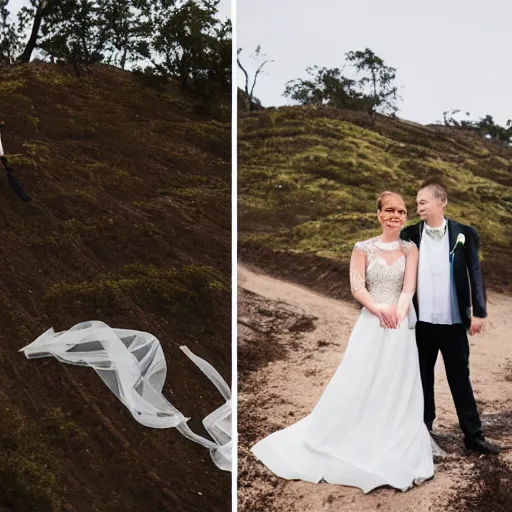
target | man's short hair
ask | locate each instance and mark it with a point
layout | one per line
(438, 191)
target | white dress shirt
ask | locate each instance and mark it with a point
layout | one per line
(434, 279)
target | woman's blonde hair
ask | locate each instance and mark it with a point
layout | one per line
(385, 194)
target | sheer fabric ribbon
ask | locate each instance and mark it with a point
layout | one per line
(132, 364)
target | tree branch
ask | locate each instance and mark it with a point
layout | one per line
(258, 71)
(246, 76)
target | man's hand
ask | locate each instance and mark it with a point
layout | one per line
(477, 326)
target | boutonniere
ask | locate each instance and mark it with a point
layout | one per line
(461, 239)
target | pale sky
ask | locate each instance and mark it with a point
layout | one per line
(448, 53)
(224, 7)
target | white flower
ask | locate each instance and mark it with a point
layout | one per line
(461, 239)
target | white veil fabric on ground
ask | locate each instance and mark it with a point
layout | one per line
(437, 451)
(132, 364)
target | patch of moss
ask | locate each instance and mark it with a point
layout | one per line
(26, 480)
(49, 240)
(207, 132)
(37, 150)
(199, 178)
(27, 485)
(88, 224)
(188, 285)
(11, 86)
(318, 168)
(190, 192)
(121, 173)
(143, 270)
(64, 425)
(34, 121)
(22, 160)
(96, 166)
(56, 78)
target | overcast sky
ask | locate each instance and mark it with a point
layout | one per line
(224, 7)
(449, 53)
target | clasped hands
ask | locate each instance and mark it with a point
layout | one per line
(389, 315)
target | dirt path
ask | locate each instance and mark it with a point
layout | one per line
(283, 388)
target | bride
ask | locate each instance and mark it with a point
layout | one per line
(367, 428)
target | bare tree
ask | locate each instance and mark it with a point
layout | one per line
(249, 87)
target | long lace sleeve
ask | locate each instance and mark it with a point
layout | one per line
(357, 270)
(410, 277)
(358, 278)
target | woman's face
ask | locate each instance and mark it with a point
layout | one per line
(393, 214)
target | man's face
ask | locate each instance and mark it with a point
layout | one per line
(429, 207)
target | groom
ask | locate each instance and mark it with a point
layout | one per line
(450, 301)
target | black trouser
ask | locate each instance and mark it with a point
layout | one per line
(452, 341)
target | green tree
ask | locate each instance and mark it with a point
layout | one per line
(71, 32)
(83, 31)
(118, 31)
(182, 39)
(485, 125)
(34, 13)
(375, 91)
(186, 40)
(9, 38)
(325, 87)
(377, 86)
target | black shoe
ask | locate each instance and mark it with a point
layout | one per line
(430, 426)
(480, 445)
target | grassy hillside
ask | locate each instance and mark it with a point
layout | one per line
(129, 224)
(309, 179)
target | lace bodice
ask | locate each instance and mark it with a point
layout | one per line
(381, 269)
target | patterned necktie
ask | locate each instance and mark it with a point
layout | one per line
(436, 233)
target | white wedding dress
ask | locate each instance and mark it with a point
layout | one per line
(367, 428)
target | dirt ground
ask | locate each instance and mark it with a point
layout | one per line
(130, 224)
(292, 339)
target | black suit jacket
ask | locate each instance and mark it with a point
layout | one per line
(466, 268)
